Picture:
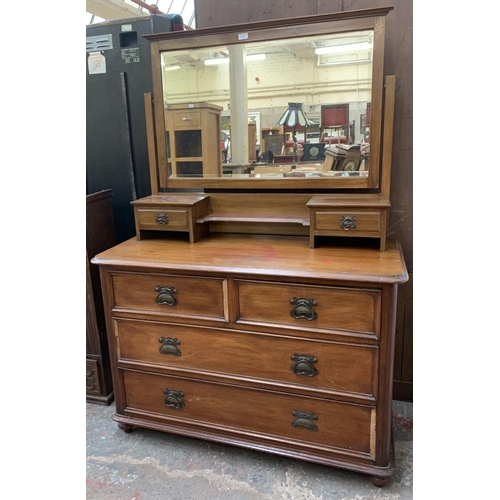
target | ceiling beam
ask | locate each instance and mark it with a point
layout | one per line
(113, 9)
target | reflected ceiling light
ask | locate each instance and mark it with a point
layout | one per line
(338, 49)
(170, 67)
(223, 60)
(218, 60)
(256, 57)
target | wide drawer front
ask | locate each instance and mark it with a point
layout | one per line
(312, 421)
(341, 221)
(183, 119)
(161, 219)
(312, 364)
(171, 295)
(314, 307)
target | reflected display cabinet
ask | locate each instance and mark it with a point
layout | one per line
(256, 306)
(193, 140)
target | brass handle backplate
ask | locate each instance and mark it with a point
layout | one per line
(347, 222)
(162, 219)
(173, 399)
(304, 420)
(166, 296)
(169, 346)
(303, 309)
(304, 365)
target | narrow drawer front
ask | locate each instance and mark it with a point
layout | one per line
(319, 365)
(348, 221)
(171, 295)
(310, 307)
(187, 119)
(311, 421)
(161, 219)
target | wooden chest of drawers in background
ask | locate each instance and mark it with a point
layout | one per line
(257, 341)
(100, 236)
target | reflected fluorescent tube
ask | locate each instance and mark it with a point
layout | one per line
(256, 57)
(223, 60)
(218, 60)
(170, 67)
(337, 49)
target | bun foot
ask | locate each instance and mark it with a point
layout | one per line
(379, 481)
(125, 427)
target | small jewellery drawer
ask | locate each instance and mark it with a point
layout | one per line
(189, 119)
(308, 422)
(340, 221)
(170, 295)
(326, 366)
(309, 307)
(163, 220)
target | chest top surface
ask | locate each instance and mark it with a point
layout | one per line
(281, 256)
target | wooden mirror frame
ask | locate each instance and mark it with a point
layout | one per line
(366, 19)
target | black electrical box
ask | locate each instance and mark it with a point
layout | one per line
(118, 75)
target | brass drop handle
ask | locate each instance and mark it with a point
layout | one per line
(186, 119)
(162, 219)
(347, 222)
(304, 420)
(169, 346)
(303, 308)
(304, 365)
(173, 399)
(165, 296)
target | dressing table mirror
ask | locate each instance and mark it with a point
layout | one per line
(227, 319)
(331, 67)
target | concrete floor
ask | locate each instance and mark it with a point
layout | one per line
(150, 465)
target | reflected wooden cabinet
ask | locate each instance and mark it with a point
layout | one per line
(193, 140)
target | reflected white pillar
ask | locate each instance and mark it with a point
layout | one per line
(238, 102)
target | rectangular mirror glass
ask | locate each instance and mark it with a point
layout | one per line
(213, 95)
(294, 104)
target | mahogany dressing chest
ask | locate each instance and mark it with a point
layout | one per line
(241, 312)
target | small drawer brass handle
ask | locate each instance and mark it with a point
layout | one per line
(304, 420)
(166, 296)
(303, 308)
(162, 219)
(169, 346)
(186, 119)
(173, 399)
(347, 222)
(304, 365)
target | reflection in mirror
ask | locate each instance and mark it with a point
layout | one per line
(223, 107)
